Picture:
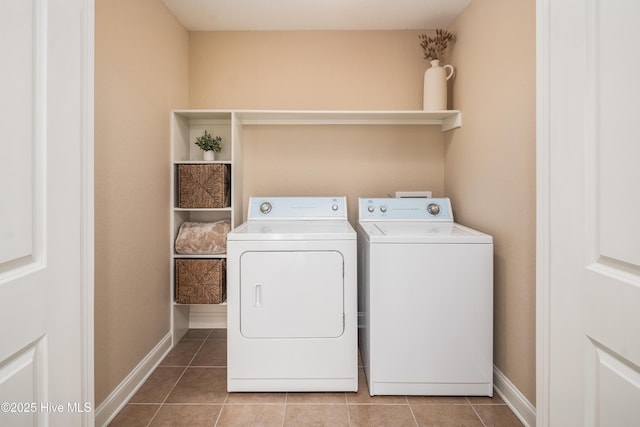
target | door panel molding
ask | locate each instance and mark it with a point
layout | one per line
(608, 373)
(23, 386)
(613, 260)
(22, 181)
(613, 134)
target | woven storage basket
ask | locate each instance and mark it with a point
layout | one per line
(200, 281)
(204, 186)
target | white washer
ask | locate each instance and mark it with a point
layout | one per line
(425, 291)
(291, 295)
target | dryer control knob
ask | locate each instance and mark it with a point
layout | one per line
(334, 207)
(265, 207)
(383, 208)
(371, 208)
(433, 208)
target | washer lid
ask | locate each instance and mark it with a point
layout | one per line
(293, 230)
(421, 232)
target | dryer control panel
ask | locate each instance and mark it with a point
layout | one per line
(297, 208)
(408, 209)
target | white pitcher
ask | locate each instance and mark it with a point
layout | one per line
(435, 86)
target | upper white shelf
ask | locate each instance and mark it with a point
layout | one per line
(447, 119)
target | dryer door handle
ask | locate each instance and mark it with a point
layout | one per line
(257, 296)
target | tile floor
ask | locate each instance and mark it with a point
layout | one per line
(189, 389)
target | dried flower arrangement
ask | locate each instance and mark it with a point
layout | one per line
(435, 47)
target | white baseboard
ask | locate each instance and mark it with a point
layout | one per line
(127, 388)
(515, 400)
(208, 316)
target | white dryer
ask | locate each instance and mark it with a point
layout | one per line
(291, 297)
(426, 299)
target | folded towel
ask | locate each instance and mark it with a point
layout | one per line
(200, 238)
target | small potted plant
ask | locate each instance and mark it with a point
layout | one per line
(209, 144)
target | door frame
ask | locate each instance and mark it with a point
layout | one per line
(543, 247)
(88, 190)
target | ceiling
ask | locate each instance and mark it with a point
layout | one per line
(265, 15)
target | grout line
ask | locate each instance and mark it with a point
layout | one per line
(478, 415)
(167, 396)
(415, 420)
(284, 411)
(176, 383)
(220, 412)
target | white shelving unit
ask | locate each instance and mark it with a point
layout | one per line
(186, 125)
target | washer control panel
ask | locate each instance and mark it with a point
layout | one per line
(286, 208)
(409, 209)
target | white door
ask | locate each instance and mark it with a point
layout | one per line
(46, 213)
(589, 213)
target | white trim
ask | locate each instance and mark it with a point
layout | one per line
(127, 388)
(515, 400)
(543, 247)
(87, 261)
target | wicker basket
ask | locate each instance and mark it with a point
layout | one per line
(204, 185)
(200, 281)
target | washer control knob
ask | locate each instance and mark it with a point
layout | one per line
(371, 208)
(383, 208)
(265, 207)
(433, 208)
(334, 207)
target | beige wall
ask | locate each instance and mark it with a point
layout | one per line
(140, 74)
(146, 64)
(333, 70)
(490, 164)
(363, 70)
(354, 161)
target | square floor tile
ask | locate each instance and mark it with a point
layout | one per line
(251, 416)
(157, 387)
(497, 416)
(200, 385)
(212, 353)
(134, 416)
(186, 415)
(381, 416)
(316, 416)
(182, 353)
(446, 415)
